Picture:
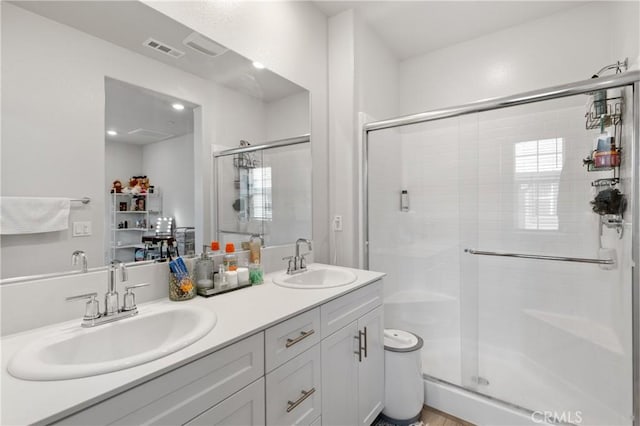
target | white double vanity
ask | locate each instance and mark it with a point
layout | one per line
(275, 355)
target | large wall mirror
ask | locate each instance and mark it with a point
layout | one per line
(94, 92)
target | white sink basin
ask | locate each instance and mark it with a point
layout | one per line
(316, 277)
(82, 352)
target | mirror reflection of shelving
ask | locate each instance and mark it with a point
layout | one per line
(132, 217)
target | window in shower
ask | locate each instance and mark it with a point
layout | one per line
(538, 164)
(260, 193)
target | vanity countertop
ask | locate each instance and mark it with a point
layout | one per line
(240, 314)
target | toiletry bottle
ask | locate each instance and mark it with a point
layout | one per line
(215, 247)
(404, 201)
(219, 280)
(230, 259)
(255, 244)
(204, 271)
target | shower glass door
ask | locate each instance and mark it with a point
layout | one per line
(550, 336)
(553, 336)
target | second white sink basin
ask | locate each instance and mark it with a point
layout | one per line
(316, 277)
(82, 352)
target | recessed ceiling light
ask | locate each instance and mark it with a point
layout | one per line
(112, 133)
(177, 106)
(258, 65)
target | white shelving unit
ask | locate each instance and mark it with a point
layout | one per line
(124, 240)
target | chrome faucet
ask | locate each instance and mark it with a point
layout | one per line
(297, 263)
(78, 256)
(112, 310)
(111, 302)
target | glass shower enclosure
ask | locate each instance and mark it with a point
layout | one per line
(511, 253)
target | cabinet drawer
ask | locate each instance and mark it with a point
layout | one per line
(244, 408)
(294, 392)
(340, 312)
(182, 394)
(291, 337)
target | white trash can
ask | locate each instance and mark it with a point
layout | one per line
(404, 388)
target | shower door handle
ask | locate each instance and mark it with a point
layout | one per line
(540, 257)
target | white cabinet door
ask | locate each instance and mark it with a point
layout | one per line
(348, 308)
(371, 369)
(244, 408)
(340, 377)
(294, 390)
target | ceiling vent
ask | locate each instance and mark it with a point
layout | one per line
(147, 136)
(163, 48)
(201, 44)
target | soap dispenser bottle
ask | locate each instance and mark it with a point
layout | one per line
(204, 271)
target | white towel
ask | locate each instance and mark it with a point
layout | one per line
(31, 215)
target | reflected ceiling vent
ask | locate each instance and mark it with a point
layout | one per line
(201, 44)
(163, 48)
(147, 135)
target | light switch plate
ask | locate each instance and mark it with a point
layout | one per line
(81, 229)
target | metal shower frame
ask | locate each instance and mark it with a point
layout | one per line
(629, 78)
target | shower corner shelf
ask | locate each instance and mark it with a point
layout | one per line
(611, 114)
(590, 163)
(606, 182)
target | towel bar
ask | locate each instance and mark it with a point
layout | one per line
(84, 200)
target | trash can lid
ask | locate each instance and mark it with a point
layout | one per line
(401, 341)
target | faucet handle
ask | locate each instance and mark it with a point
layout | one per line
(129, 298)
(291, 259)
(130, 287)
(92, 308)
(303, 261)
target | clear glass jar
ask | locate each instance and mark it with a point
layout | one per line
(256, 274)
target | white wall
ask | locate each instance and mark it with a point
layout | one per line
(169, 165)
(290, 38)
(568, 46)
(288, 117)
(363, 80)
(122, 160)
(342, 133)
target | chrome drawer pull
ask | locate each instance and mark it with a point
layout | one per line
(305, 394)
(359, 351)
(366, 345)
(303, 334)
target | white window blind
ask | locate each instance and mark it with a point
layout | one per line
(538, 165)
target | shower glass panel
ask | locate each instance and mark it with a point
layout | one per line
(419, 247)
(549, 336)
